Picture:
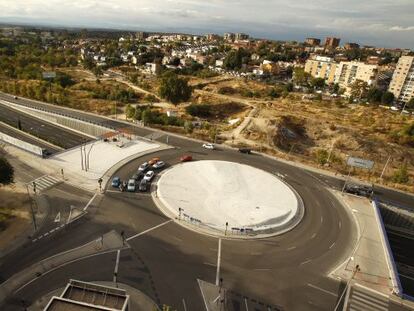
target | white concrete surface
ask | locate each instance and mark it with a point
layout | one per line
(216, 192)
(102, 156)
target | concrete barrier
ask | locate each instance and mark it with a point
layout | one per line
(388, 253)
(21, 144)
(88, 128)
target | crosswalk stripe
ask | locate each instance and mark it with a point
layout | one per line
(44, 182)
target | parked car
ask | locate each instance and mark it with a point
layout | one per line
(143, 167)
(116, 181)
(245, 150)
(158, 165)
(143, 185)
(153, 161)
(360, 190)
(149, 175)
(131, 185)
(209, 146)
(186, 158)
(123, 186)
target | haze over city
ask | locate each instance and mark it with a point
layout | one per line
(385, 23)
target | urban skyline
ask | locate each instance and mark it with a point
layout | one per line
(385, 24)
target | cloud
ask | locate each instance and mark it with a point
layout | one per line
(353, 20)
(401, 28)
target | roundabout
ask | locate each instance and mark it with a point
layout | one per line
(228, 198)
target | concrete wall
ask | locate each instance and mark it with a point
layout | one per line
(71, 123)
(388, 253)
(21, 144)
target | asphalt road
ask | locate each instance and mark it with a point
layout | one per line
(287, 271)
(44, 130)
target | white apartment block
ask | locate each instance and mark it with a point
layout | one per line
(349, 72)
(402, 83)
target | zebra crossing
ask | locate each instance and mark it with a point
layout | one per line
(43, 183)
(155, 135)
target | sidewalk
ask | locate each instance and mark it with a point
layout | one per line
(369, 252)
(108, 242)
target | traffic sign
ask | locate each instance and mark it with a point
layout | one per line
(360, 163)
(49, 74)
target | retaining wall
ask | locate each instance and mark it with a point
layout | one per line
(88, 128)
(21, 144)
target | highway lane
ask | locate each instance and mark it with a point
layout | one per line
(44, 130)
(22, 136)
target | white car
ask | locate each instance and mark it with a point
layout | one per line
(393, 108)
(209, 146)
(158, 165)
(143, 167)
(131, 185)
(149, 175)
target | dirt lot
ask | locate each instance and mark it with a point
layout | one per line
(305, 130)
(14, 214)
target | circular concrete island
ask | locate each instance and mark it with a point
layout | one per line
(205, 195)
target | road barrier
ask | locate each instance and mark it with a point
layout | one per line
(70, 122)
(22, 144)
(397, 288)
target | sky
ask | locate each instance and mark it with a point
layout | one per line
(384, 23)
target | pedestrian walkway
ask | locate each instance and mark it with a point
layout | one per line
(155, 135)
(43, 183)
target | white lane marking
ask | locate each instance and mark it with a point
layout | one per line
(245, 303)
(332, 245)
(290, 248)
(321, 289)
(90, 201)
(305, 262)
(313, 235)
(209, 264)
(321, 219)
(118, 253)
(184, 305)
(148, 230)
(340, 224)
(178, 239)
(218, 262)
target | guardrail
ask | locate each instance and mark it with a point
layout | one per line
(397, 288)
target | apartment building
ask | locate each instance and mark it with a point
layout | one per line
(321, 67)
(313, 41)
(241, 36)
(402, 83)
(348, 72)
(229, 36)
(332, 43)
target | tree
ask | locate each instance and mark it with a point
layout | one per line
(129, 111)
(300, 76)
(235, 59)
(374, 95)
(359, 89)
(410, 104)
(189, 127)
(174, 88)
(401, 175)
(387, 98)
(6, 172)
(317, 83)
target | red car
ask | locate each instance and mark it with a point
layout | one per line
(186, 158)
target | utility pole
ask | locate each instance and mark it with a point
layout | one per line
(31, 208)
(385, 167)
